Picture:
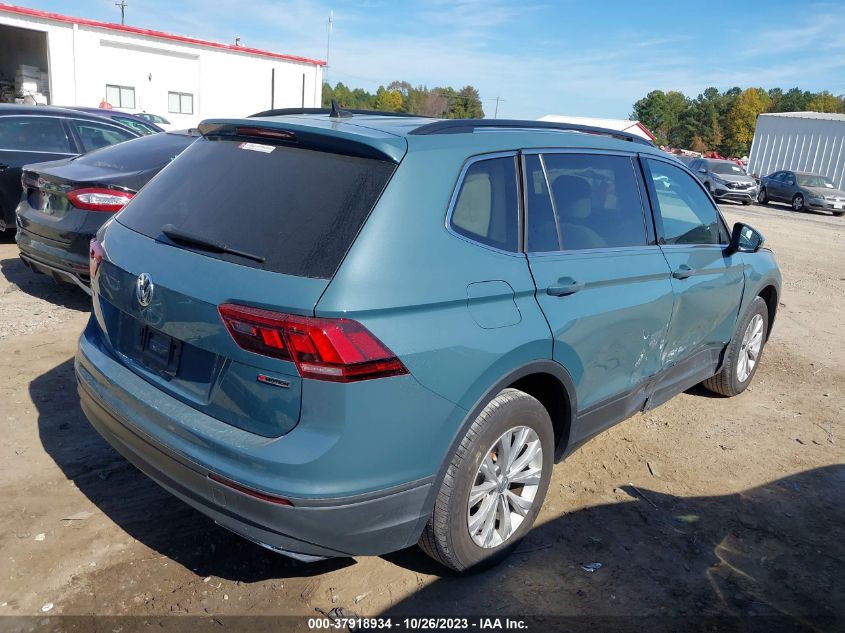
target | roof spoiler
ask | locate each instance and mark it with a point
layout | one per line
(292, 134)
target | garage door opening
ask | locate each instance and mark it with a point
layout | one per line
(24, 71)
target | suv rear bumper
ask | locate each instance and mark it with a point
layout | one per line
(368, 524)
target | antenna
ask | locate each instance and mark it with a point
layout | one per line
(328, 47)
(122, 4)
(338, 112)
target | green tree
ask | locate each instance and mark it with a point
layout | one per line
(794, 100)
(825, 102)
(660, 112)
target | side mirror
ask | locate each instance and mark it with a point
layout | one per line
(745, 239)
(703, 170)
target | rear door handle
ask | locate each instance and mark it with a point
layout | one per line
(565, 286)
(683, 271)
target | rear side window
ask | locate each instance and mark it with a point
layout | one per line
(595, 203)
(135, 124)
(688, 215)
(96, 135)
(298, 209)
(486, 208)
(33, 134)
(139, 154)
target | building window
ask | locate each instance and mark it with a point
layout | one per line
(120, 96)
(180, 102)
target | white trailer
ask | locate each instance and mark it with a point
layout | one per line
(799, 141)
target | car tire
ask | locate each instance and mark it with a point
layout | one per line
(839, 214)
(514, 417)
(745, 203)
(762, 196)
(742, 357)
(797, 202)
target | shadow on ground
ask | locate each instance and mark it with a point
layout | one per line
(140, 507)
(44, 287)
(775, 550)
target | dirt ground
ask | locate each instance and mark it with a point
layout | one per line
(705, 506)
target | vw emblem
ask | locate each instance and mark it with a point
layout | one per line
(144, 289)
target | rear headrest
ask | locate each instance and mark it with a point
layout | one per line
(573, 197)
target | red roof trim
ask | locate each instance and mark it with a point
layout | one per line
(646, 130)
(35, 13)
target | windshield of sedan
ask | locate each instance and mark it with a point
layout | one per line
(805, 180)
(726, 168)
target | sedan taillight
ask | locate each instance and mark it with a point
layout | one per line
(99, 199)
(338, 350)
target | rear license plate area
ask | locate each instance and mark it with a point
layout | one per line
(158, 352)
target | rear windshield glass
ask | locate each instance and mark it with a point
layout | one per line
(297, 209)
(147, 152)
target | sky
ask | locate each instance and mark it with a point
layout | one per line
(583, 58)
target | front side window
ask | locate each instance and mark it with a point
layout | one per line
(120, 96)
(96, 135)
(487, 206)
(33, 134)
(594, 203)
(688, 215)
(180, 102)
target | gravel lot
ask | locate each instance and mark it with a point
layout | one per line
(704, 506)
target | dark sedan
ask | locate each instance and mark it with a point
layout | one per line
(802, 191)
(33, 134)
(65, 202)
(134, 121)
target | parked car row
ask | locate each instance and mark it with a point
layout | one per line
(34, 134)
(802, 191)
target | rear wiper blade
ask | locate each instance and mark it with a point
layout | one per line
(178, 235)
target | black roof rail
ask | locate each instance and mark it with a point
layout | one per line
(464, 126)
(288, 111)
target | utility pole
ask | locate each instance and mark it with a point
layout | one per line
(122, 4)
(496, 112)
(328, 47)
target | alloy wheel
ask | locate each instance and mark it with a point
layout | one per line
(504, 487)
(798, 202)
(749, 352)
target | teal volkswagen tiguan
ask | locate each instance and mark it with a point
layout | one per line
(343, 333)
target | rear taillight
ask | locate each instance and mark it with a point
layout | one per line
(95, 257)
(98, 199)
(339, 350)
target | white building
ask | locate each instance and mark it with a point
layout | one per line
(180, 78)
(623, 125)
(799, 141)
